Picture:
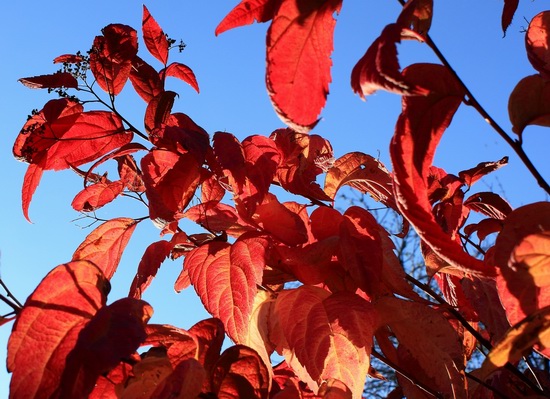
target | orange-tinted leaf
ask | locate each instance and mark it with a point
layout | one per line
(379, 68)
(47, 328)
(518, 341)
(329, 334)
(105, 385)
(299, 45)
(470, 176)
(30, 183)
(112, 55)
(154, 38)
(148, 266)
(97, 195)
(537, 43)
(145, 79)
(425, 337)
(240, 373)
(171, 180)
(418, 131)
(304, 157)
(226, 277)
(246, 12)
(180, 345)
(210, 335)
(182, 72)
(529, 103)
(489, 204)
(186, 381)
(104, 246)
(364, 173)
(68, 58)
(218, 217)
(53, 81)
(510, 7)
(113, 334)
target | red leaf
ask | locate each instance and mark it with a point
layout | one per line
(171, 180)
(113, 334)
(182, 72)
(470, 176)
(68, 58)
(417, 15)
(241, 373)
(48, 326)
(104, 246)
(489, 204)
(379, 68)
(186, 381)
(226, 279)
(529, 103)
(54, 81)
(148, 266)
(210, 335)
(30, 183)
(154, 37)
(130, 174)
(510, 7)
(145, 79)
(418, 131)
(322, 329)
(248, 11)
(96, 196)
(537, 43)
(304, 157)
(299, 45)
(112, 55)
(364, 173)
(158, 111)
(180, 345)
(219, 217)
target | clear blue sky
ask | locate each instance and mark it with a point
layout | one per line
(230, 71)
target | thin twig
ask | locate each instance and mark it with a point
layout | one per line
(10, 295)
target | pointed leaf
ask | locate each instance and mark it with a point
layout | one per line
(113, 334)
(158, 112)
(417, 15)
(112, 55)
(53, 81)
(210, 335)
(104, 246)
(330, 334)
(68, 58)
(97, 195)
(489, 204)
(145, 79)
(240, 373)
(226, 279)
(154, 37)
(510, 7)
(529, 103)
(32, 178)
(246, 12)
(470, 176)
(299, 46)
(182, 72)
(418, 131)
(48, 325)
(537, 43)
(379, 68)
(148, 266)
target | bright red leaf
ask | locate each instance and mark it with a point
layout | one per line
(148, 266)
(53, 81)
(246, 12)
(112, 55)
(537, 43)
(154, 37)
(330, 334)
(417, 134)
(182, 72)
(489, 204)
(48, 326)
(145, 79)
(470, 176)
(97, 195)
(104, 246)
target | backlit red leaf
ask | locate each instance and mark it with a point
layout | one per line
(97, 195)
(47, 328)
(329, 334)
(246, 12)
(182, 72)
(148, 266)
(226, 279)
(171, 180)
(186, 381)
(30, 183)
(240, 373)
(158, 111)
(112, 335)
(379, 68)
(299, 46)
(112, 55)
(68, 58)
(210, 334)
(489, 204)
(145, 79)
(529, 103)
(510, 7)
(154, 37)
(470, 176)
(53, 81)
(418, 131)
(417, 15)
(537, 43)
(104, 246)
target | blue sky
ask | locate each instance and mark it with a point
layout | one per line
(233, 98)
